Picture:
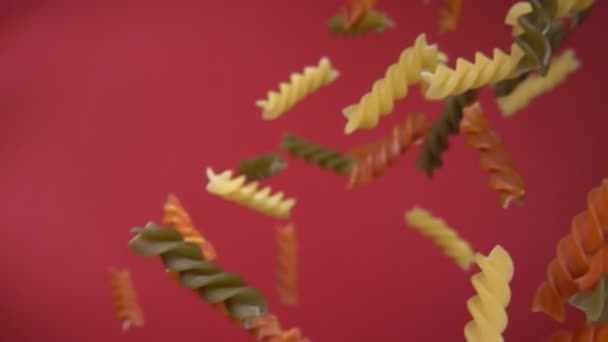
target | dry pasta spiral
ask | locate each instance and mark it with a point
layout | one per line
(374, 21)
(207, 278)
(317, 154)
(437, 138)
(445, 237)
(488, 307)
(262, 166)
(249, 195)
(493, 157)
(535, 85)
(299, 86)
(372, 160)
(573, 255)
(124, 298)
(449, 15)
(287, 260)
(393, 86)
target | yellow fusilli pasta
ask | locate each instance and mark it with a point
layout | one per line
(536, 85)
(249, 195)
(394, 86)
(488, 306)
(445, 237)
(299, 86)
(446, 81)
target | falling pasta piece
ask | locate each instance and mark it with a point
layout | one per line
(372, 160)
(563, 8)
(125, 301)
(573, 256)
(449, 15)
(594, 302)
(373, 21)
(226, 292)
(357, 10)
(176, 216)
(598, 266)
(394, 86)
(262, 166)
(535, 85)
(493, 157)
(488, 307)
(445, 237)
(287, 258)
(300, 85)
(445, 81)
(249, 195)
(317, 154)
(582, 333)
(437, 138)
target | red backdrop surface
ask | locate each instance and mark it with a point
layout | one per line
(107, 107)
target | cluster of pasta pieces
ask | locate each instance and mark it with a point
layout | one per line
(579, 273)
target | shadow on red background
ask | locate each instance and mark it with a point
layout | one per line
(107, 107)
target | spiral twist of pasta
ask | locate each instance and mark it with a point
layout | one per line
(372, 160)
(535, 85)
(176, 216)
(437, 139)
(573, 255)
(205, 277)
(124, 298)
(394, 86)
(299, 86)
(594, 303)
(449, 15)
(317, 154)
(445, 81)
(373, 21)
(556, 9)
(493, 157)
(249, 195)
(582, 333)
(287, 257)
(488, 307)
(598, 266)
(262, 166)
(357, 10)
(445, 237)
(267, 328)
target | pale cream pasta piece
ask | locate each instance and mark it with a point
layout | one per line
(299, 86)
(536, 85)
(445, 81)
(488, 306)
(445, 237)
(249, 195)
(563, 8)
(394, 86)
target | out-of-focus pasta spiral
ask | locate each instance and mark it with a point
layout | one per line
(176, 216)
(493, 157)
(393, 86)
(299, 86)
(594, 303)
(535, 85)
(287, 260)
(573, 255)
(267, 328)
(437, 138)
(449, 15)
(488, 307)
(357, 10)
(317, 154)
(582, 333)
(207, 278)
(445, 237)
(556, 9)
(262, 166)
(249, 195)
(124, 298)
(373, 21)
(372, 160)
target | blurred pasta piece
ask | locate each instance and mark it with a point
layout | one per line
(287, 261)
(262, 166)
(582, 333)
(449, 15)
(316, 154)
(124, 298)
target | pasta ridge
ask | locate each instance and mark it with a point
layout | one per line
(393, 86)
(287, 259)
(317, 154)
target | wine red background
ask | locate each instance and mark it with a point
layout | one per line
(107, 107)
